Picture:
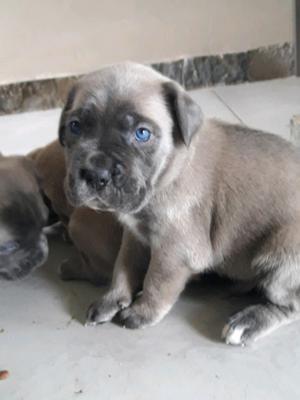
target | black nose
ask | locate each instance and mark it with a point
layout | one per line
(98, 178)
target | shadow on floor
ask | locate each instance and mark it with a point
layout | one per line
(212, 300)
(206, 304)
(75, 296)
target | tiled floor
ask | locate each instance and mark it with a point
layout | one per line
(50, 354)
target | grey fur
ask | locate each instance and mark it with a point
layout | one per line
(22, 218)
(197, 196)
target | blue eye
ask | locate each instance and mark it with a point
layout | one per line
(142, 134)
(75, 127)
(9, 247)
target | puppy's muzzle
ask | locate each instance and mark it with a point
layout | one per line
(97, 179)
(99, 176)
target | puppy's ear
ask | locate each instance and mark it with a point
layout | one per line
(186, 113)
(62, 121)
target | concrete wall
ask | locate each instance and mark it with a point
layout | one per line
(53, 38)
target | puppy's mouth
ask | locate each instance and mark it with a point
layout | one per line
(110, 197)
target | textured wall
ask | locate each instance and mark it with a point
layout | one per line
(53, 38)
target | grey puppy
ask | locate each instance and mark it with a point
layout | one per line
(23, 214)
(193, 196)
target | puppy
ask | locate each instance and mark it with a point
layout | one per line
(96, 236)
(192, 195)
(23, 245)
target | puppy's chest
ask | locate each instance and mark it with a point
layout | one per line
(143, 225)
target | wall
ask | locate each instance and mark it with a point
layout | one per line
(52, 38)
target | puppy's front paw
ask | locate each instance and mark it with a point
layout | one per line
(244, 327)
(130, 318)
(105, 310)
(139, 315)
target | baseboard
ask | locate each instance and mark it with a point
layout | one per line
(259, 64)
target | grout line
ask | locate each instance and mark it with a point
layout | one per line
(228, 107)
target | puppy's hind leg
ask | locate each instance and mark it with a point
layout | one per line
(79, 268)
(278, 265)
(97, 238)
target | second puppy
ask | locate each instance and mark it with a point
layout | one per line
(23, 215)
(96, 236)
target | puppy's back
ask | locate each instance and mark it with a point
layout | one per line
(50, 164)
(255, 183)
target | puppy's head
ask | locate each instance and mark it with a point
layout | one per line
(23, 246)
(121, 129)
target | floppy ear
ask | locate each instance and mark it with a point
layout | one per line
(186, 113)
(62, 121)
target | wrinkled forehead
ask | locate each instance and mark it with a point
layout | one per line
(112, 95)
